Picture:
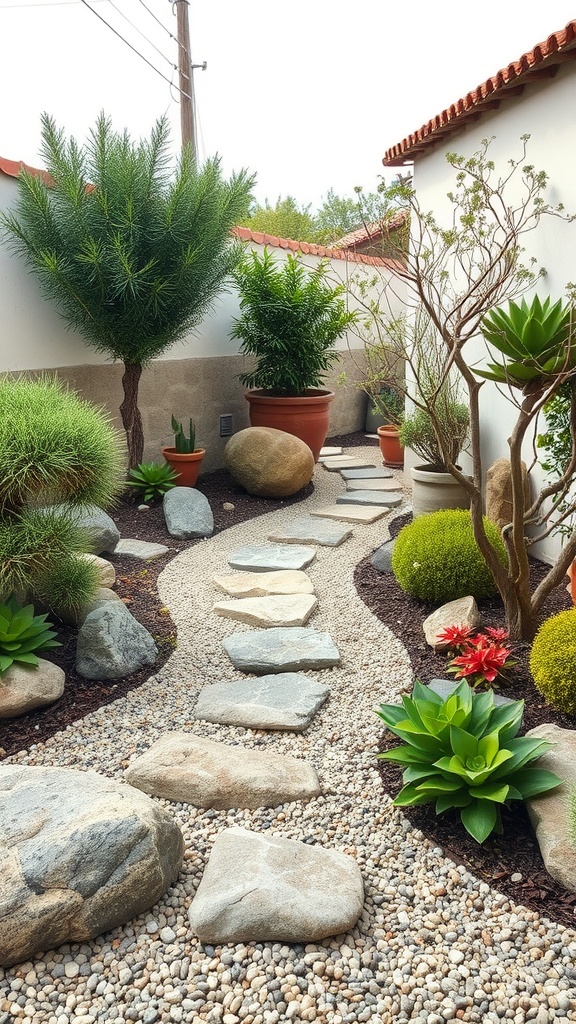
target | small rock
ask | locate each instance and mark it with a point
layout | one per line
(228, 506)
(23, 687)
(106, 571)
(143, 508)
(382, 557)
(167, 935)
(462, 612)
(112, 644)
(549, 812)
(516, 877)
(187, 513)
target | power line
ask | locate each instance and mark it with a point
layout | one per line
(157, 20)
(140, 33)
(50, 3)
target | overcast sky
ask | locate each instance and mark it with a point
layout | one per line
(307, 94)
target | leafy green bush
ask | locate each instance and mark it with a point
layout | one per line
(55, 448)
(553, 660)
(463, 753)
(23, 635)
(436, 558)
(152, 479)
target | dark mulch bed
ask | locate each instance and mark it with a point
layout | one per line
(516, 851)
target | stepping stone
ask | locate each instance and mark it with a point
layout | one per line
(278, 610)
(389, 500)
(253, 584)
(337, 462)
(267, 557)
(140, 549)
(281, 650)
(444, 687)
(372, 485)
(193, 770)
(351, 514)
(311, 531)
(549, 813)
(374, 473)
(187, 513)
(335, 449)
(382, 557)
(266, 888)
(287, 700)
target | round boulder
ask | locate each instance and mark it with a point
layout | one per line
(268, 462)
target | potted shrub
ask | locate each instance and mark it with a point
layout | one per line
(290, 316)
(433, 486)
(388, 405)
(184, 457)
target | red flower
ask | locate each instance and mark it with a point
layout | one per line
(454, 636)
(483, 661)
(497, 633)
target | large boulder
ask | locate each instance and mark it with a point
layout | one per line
(99, 529)
(187, 513)
(499, 491)
(550, 812)
(269, 889)
(112, 644)
(24, 687)
(269, 462)
(80, 855)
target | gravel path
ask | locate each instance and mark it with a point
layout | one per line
(433, 943)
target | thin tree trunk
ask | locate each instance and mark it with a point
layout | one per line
(131, 419)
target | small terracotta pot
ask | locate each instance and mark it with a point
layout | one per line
(306, 416)
(392, 450)
(185, 464)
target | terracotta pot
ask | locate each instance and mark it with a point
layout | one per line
(306, 416)
(433, 490)
(186, 464)
(392, 450)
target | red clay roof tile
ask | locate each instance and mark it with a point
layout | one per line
(246, 235)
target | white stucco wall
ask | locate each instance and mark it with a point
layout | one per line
(545, 111)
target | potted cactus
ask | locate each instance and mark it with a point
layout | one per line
(184, 457)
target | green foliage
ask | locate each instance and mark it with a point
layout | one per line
(436, 558)
(463, 752)
(417, 432)
(152, 480)
(290, 317)
(536, 340)
(284, 220)
(23, 635)
(54, 448)
(557, 444)
(553, 660)
(184, 445)
(389, 403)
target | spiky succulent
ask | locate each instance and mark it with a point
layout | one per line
(536, 339)
(23, 635)
(184, 445)
(152, 480)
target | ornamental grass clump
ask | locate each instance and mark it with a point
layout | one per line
(553, 661)
(437, 559)
(463, 752)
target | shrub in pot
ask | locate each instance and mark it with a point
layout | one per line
(290, 317)
(184, 457)
(433, 486)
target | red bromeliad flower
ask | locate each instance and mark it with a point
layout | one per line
(481, 659)
(497, 633)
(455, 636)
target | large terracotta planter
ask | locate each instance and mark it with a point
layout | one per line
(186, 464)
(433, 490)
(392, 450)
(307, 416)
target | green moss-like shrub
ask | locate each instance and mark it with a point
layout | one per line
(436, 558)
(553, 660)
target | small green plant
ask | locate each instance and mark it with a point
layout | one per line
(553, 660)
(436, 558)
(463, 752)
(23, 635)
(184, 445)
(152, 480)
(535, 339)
(417, 432)
(556, 444)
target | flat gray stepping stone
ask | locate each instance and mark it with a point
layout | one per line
(187, 513)
(444, 687)
(372, 485)
(287, 700)
(311, 531)
(373, 473)
(275, 610)
(140, 549)
(253, 584)
(281, 650)
(331, 449)
(389, 500)
(268, 557)
(351, 513)
(266, 888)
(193, 770)
(382, 557)
(335, 463)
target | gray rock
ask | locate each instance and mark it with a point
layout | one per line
(444, 687)
(106, 571)
(266, 888)
(191, 769)
(80, 855)
(187, 513)
(269, 557)
(382, 557)
(287, 700)
(112, 644)
(385, 486)
(23, 687)
(141, 550)
(550, 812)
(335, 463)
(388, 499)
(372, 473)
(281, 650)
(308, 530)
(275, 610)
(351, 513)
(100, 530)
(461, 612)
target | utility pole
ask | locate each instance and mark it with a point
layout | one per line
(187, 104)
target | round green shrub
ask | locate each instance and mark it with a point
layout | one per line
(436, 559)
(553, 661)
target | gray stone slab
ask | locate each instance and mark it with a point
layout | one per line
(382, 557)
(351, 513)
(444, 687)
(287, 700)
(187, 513)
(140, 549)
(389, 499)
(269, 557)
(371, 473)
(281, 650)
(372, 485)
(308, 530)
(335, 463)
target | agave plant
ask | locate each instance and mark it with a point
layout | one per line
(152, 479)
(23, 635)
(536, 339)
(463, 752)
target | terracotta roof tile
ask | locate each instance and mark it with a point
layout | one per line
(369, 232)
(540, 62)
(246, 235)
(13, 168)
